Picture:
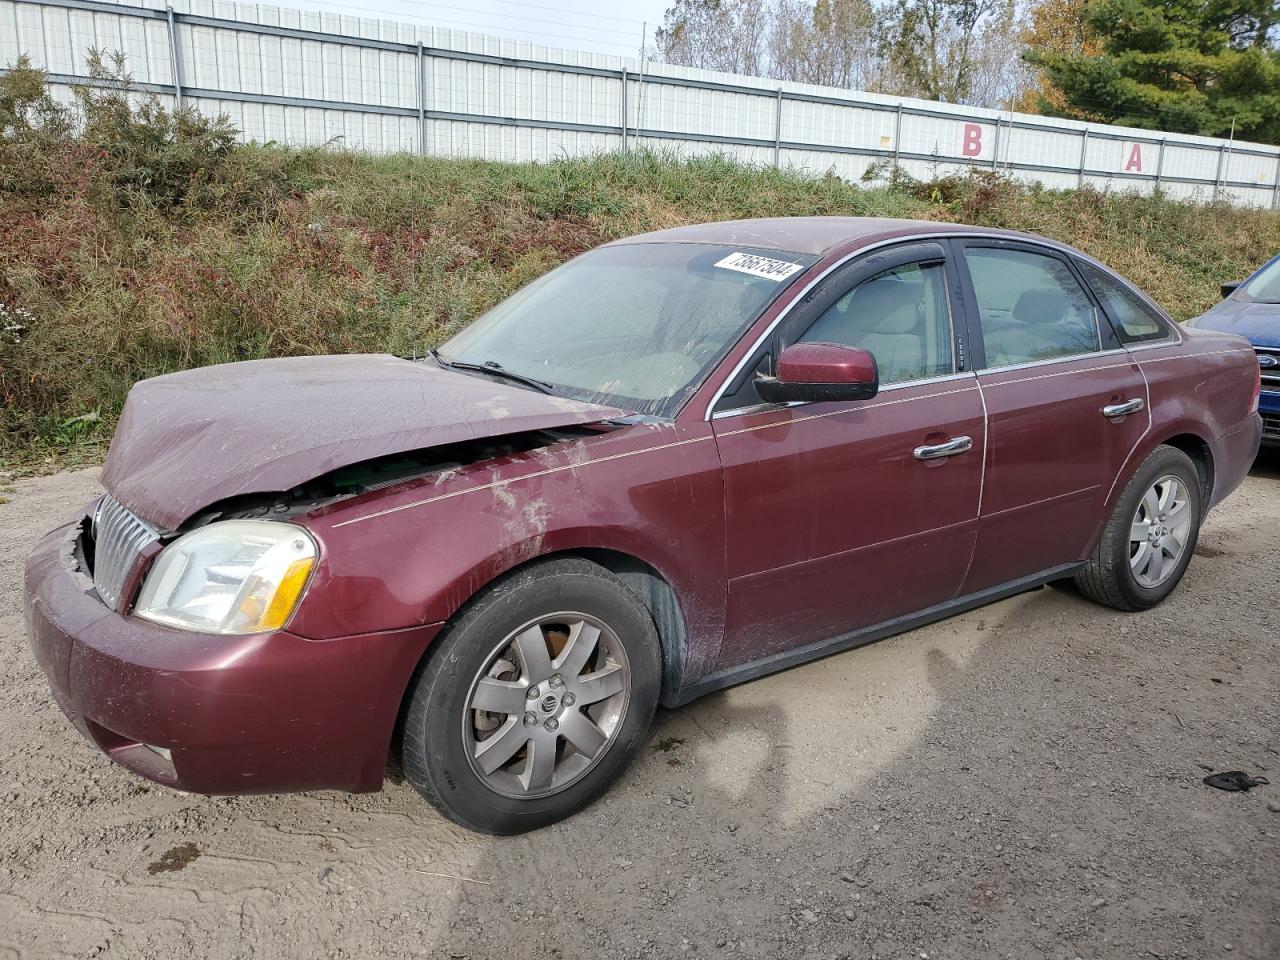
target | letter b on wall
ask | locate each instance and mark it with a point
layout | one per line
(972, 144)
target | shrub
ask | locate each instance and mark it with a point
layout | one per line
(113, 145)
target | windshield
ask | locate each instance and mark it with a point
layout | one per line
(1265, 286)
(637, 326)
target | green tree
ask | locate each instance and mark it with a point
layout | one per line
(1055, 27)
(1179, 65)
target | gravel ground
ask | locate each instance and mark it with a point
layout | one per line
(1022, 781)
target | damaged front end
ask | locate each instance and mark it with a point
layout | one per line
(211, 471)
(384, 473)
(268, 434)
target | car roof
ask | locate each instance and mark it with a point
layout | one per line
(809, 235)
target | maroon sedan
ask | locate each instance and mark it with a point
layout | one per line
(679, 462)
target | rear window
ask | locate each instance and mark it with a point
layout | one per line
(1134, 321)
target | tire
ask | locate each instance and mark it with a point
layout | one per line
(489, 656)
(1120, 573)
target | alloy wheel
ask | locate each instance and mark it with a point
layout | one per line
(1160, 531)
(546, 705)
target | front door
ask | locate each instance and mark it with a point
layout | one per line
(847, 514)
(1066, 406)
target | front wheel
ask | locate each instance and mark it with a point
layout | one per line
(535, 700)
(1148, 541)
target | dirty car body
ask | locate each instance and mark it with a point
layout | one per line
(1003, 426)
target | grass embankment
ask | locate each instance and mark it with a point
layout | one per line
(132, 245)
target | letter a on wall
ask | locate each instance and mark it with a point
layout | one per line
(1135, 159)
(972, 146)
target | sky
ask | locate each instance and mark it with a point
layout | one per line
(613, 28)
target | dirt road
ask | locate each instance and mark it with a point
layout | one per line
(1023, 781)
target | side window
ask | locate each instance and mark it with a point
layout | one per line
(1031, 307)
(901, 316)
(1135, 322)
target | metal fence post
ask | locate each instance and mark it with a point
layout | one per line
(1275, 191)
(174, 62)
(1217, 177)
(995, 146)
(1084, 152)
(897, 136)
(1160, 164)
(422, 101)
(624, 109)
(777, 130)
(639, 127)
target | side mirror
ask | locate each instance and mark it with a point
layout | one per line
(816, 372)
(1228, 289)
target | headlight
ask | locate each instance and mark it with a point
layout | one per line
(233, 576)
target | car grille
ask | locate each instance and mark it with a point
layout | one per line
(118, 538)
(1271, 426)
(1270, 374)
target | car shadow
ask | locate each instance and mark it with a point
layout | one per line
(1267, 464)
(1017, 781)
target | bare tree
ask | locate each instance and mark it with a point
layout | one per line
(831, 42)
(724, 35)
(962, 51)
(958, 51)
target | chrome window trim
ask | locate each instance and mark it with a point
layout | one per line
(1005, 368)
(888, 388)
(709, 414)
(1156, 344)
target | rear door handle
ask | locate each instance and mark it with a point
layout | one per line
(948, 449)
(1123, 409)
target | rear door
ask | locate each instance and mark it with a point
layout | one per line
(1066, 406)
(838, 517)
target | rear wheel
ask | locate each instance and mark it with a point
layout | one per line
(535, 700)
(1146, 545)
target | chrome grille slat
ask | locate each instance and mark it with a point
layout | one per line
(1270, 375)
(121, 536)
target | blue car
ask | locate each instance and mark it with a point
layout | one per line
(1251, 308)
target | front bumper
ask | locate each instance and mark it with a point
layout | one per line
(263, 713)
(1269, 408)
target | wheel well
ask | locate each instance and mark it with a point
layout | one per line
(1198, 451)
(650, 587)
(653, 590)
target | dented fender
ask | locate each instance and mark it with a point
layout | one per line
(417, 554)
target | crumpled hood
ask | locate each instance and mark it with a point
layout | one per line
(1259, 323)
(187, 440)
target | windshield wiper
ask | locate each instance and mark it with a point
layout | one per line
(494, 369)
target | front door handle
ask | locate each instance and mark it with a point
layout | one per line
(1123, 409)
(948, 449)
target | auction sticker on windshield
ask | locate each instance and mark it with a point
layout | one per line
(759, 266)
